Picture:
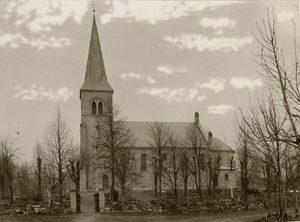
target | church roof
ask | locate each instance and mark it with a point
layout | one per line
(140, 132)
(95, 75)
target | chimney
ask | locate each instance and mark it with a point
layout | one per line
(210, 136)
(196, 117)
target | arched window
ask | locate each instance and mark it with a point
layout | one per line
(94, 107)
(105, 182)
(226, 177)
(143, 161)
(100, 108)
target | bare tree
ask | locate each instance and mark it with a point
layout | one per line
(24, 181)
(113, 136)
(173, 162)
(292, 174)
(126, 171)
(58, 144)
(213, 172)
(185, 170)
(8, 153)
(51, 177)
(158, 135)
(264, 125)
(244, 158)
(195, 139)
(283, 76)
(74, 166)
(37, 168)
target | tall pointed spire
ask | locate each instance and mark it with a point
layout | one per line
(95, 75)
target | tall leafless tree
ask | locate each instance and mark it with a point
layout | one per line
(8, 154)
(159, 141)
(245, 161)
(185, 170)
(58, 142)
(264, 125)
(114, 135)
(37, 166)
(196, 141)
(126, 171)
(74, 166)
(213, 167)
(173, 162)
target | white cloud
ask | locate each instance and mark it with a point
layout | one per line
(170, 71)
(217, 23)
(243, 82)
(35, 93)
(39, 16)
(217, 85)
(201, 98)
(156, 11)
(202, 43)
(220, 109)
(174, 95)
(284, 16)
(132, 75)
(13, 41)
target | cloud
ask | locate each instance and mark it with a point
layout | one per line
(132, 75)
(284, 16)
(220, 109)
(201, 98)
(41, 16)
(217, 23)
(178, 95)
(243, 82)
(203, 43)
(157, 11)
(217, 85)
(13, 41)
(170, 71)
(35, 93)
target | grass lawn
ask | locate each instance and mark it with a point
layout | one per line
(249, 216)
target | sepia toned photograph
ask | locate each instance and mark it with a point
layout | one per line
(149, 110)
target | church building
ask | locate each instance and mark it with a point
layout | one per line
(96, 94)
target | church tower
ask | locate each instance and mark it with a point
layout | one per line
(96, 96)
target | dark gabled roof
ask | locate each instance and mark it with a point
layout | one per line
(95, 75)
(140, 132)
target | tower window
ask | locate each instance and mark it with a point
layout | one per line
(94, 107)
(100, 108)
(105, 182)
(143, 161)
(226, 177)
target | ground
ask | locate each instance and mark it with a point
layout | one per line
(249, 216)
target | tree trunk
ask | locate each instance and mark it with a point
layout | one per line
(185, 187)
(296, 202)
(78, 198)
(199, 182)
(10, 183)
(123, 190)
(113, 182)
(39, 179)
(2, 189)
(159, 185)
(155, 184)
(60, 181)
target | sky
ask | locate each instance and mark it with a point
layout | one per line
(164, 59)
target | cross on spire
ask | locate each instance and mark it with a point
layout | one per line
(94, 8)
